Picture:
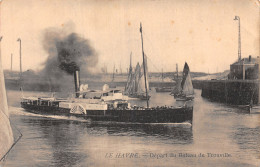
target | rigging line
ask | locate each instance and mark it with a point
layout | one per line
(150, 60)
(149, 51)
(15, 142)
(149, 41)
(3, 162)
(151, 44)
(153, 64)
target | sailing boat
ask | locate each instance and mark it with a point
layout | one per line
(178, 80)
(6, 133)
(135, 86)
(130, 79)
(163, 89)
(184, 89)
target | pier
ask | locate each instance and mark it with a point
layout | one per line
(237, 92)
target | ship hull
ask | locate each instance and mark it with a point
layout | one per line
(181, 97)
(163, 89)
(154, 115)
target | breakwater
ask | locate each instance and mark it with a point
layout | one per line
(197, 84)
(237, 92)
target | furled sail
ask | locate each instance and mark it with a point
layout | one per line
(6, 134)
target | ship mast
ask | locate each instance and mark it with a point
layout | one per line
(144, 65)
(162, 75)
(177, 71)
(113, 73)
(130, 68)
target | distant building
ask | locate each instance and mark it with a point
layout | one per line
(246, 68)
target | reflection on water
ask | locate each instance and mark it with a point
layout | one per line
(70, 141)
(248, 140)
(59, 142)
(61, 136)
(170, 134)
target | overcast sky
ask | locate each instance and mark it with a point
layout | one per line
(200, 32)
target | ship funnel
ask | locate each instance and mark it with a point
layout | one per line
(77, 82)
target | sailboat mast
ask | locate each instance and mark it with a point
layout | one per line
(113, 73)
(177, 71)
(144, 65)
(162, 75)
(11, 62)
(120, 69)
(130, 62)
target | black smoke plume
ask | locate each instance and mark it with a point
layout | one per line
(67, 52)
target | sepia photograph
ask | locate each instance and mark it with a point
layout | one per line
(128, 83)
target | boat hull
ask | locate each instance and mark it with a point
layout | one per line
(183, 97)
(163, 89)
(154, 115)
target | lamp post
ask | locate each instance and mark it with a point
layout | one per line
(20, 43)
(239, 38)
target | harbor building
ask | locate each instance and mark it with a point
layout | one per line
(242, 86)
(245, 69)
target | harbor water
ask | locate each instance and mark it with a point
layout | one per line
(220, 135)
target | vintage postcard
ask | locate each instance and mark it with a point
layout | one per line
(171, 83)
